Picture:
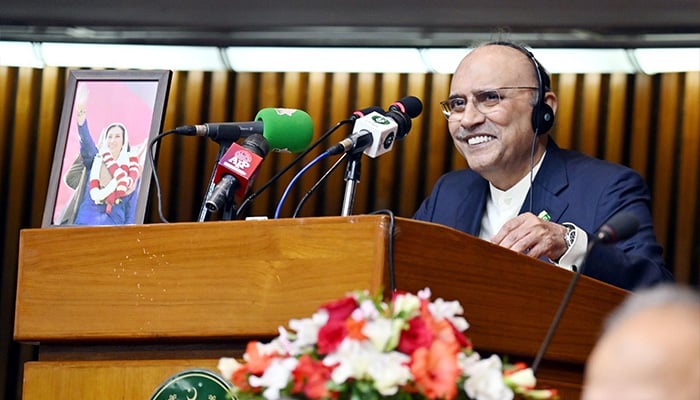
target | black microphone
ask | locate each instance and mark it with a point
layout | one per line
(222, 130)
(237, 169)
(402, 111)
(619, 227)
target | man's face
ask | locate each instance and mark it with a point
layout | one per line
(496, 144)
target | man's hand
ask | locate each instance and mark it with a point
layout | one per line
(533, 236)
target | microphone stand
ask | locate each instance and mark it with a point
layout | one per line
(560, 311)
(352, 176)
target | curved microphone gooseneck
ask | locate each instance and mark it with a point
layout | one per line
(619, 227)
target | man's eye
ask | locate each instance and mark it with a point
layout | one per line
(457, 103)
(488, 97)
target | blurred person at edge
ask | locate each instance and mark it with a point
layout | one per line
(650, 348)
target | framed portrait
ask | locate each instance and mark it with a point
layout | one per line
(100, 174)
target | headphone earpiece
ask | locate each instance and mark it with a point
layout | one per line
(542, 113)
(542, 117)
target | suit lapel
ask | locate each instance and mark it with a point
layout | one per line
(549, 182)
(471, 211)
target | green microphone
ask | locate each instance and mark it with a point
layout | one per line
(286, 129)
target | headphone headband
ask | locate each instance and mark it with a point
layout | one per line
(542, 113)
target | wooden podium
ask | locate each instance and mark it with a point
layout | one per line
(116, 310)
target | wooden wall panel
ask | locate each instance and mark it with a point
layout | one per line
(565, 86)
(590, 114)
(650, 123)
(616, 112)
(687, 234)
(640, 141)
(665, 155)
(411, 163)
(437, 143)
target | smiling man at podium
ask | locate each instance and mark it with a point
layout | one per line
(521, 191)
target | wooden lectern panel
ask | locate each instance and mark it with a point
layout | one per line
(189, 280)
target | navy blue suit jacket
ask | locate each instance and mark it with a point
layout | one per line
(571, 187)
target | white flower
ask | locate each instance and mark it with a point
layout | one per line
(383, 333)
(466, 362)
(407, 303)
(450, 310)
(367, 311)
(524, 378)
(352, 358)
(485, 380)
(388, 371)
(275, 378)
(227, 366)
(306, 331)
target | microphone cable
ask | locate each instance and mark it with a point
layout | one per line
(281, 172)
(392, 229)
(318, 184)
(294, 180)
(532, 170)
(152, 163)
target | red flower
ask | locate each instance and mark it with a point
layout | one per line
(330, 336)
(240, 380)
(516, 367)
(257, 363)
(416, 336)
(310, 378)
(340, 309)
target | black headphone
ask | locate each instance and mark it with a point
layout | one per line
(542, 113)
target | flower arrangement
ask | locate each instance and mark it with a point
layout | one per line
(360, 347)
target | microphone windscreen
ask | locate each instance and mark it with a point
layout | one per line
(286, 129)
(410, 105)
(619, 227)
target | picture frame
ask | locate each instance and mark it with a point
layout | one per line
(100, 176)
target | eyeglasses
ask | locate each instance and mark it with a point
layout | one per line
(485, 100)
